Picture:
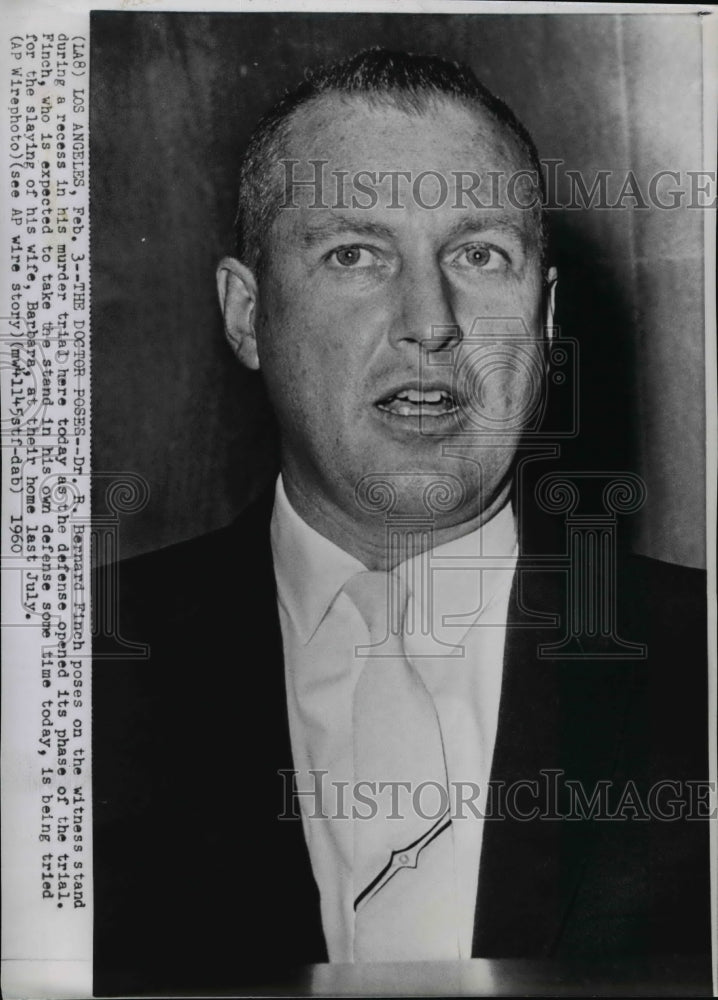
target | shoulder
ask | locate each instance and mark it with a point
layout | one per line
(664, 608)
(191, 580)
(670, 578)
(249, 529)
(664, 597)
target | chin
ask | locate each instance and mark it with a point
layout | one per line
(407, 490)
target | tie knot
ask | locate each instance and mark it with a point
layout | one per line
(380, 598)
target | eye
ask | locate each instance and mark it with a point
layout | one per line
(481, 256)
(356, 257)
(478, 256)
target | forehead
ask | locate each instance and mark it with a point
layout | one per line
(447, 136)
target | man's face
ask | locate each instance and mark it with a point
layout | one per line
(400, 342)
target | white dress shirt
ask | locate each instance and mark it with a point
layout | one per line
(462, 589)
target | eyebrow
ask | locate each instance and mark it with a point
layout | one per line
(481, 223)
(333, 225)
(339, 225)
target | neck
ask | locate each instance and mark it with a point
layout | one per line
(366, 538)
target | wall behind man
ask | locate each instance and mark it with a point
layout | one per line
(174, 98)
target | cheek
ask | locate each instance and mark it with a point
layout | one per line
(297, 318)
(502, 304)
(501, 370)
(515, 392)
(306, 352)
(285, 338)
(319, 336)
(502, 385)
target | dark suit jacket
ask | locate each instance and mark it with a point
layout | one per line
(196, 878)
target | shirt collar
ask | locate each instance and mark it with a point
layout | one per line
(310, 570)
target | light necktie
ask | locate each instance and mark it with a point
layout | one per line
(404, 875)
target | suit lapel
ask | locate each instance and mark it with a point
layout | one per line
(557, 720)
(517, 876)
(279, 845)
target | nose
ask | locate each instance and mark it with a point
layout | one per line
(424, 311)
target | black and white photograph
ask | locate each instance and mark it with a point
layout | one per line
(399, 567)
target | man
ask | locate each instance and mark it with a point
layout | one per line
(381, 618)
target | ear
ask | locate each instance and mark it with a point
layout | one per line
(551, 282)
(237, 289)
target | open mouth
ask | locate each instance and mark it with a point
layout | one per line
(419, 403)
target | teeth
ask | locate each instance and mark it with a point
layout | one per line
(414, 396)
(412, 402)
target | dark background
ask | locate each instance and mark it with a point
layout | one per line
(174, 98)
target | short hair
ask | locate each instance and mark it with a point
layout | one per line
(404, 80)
